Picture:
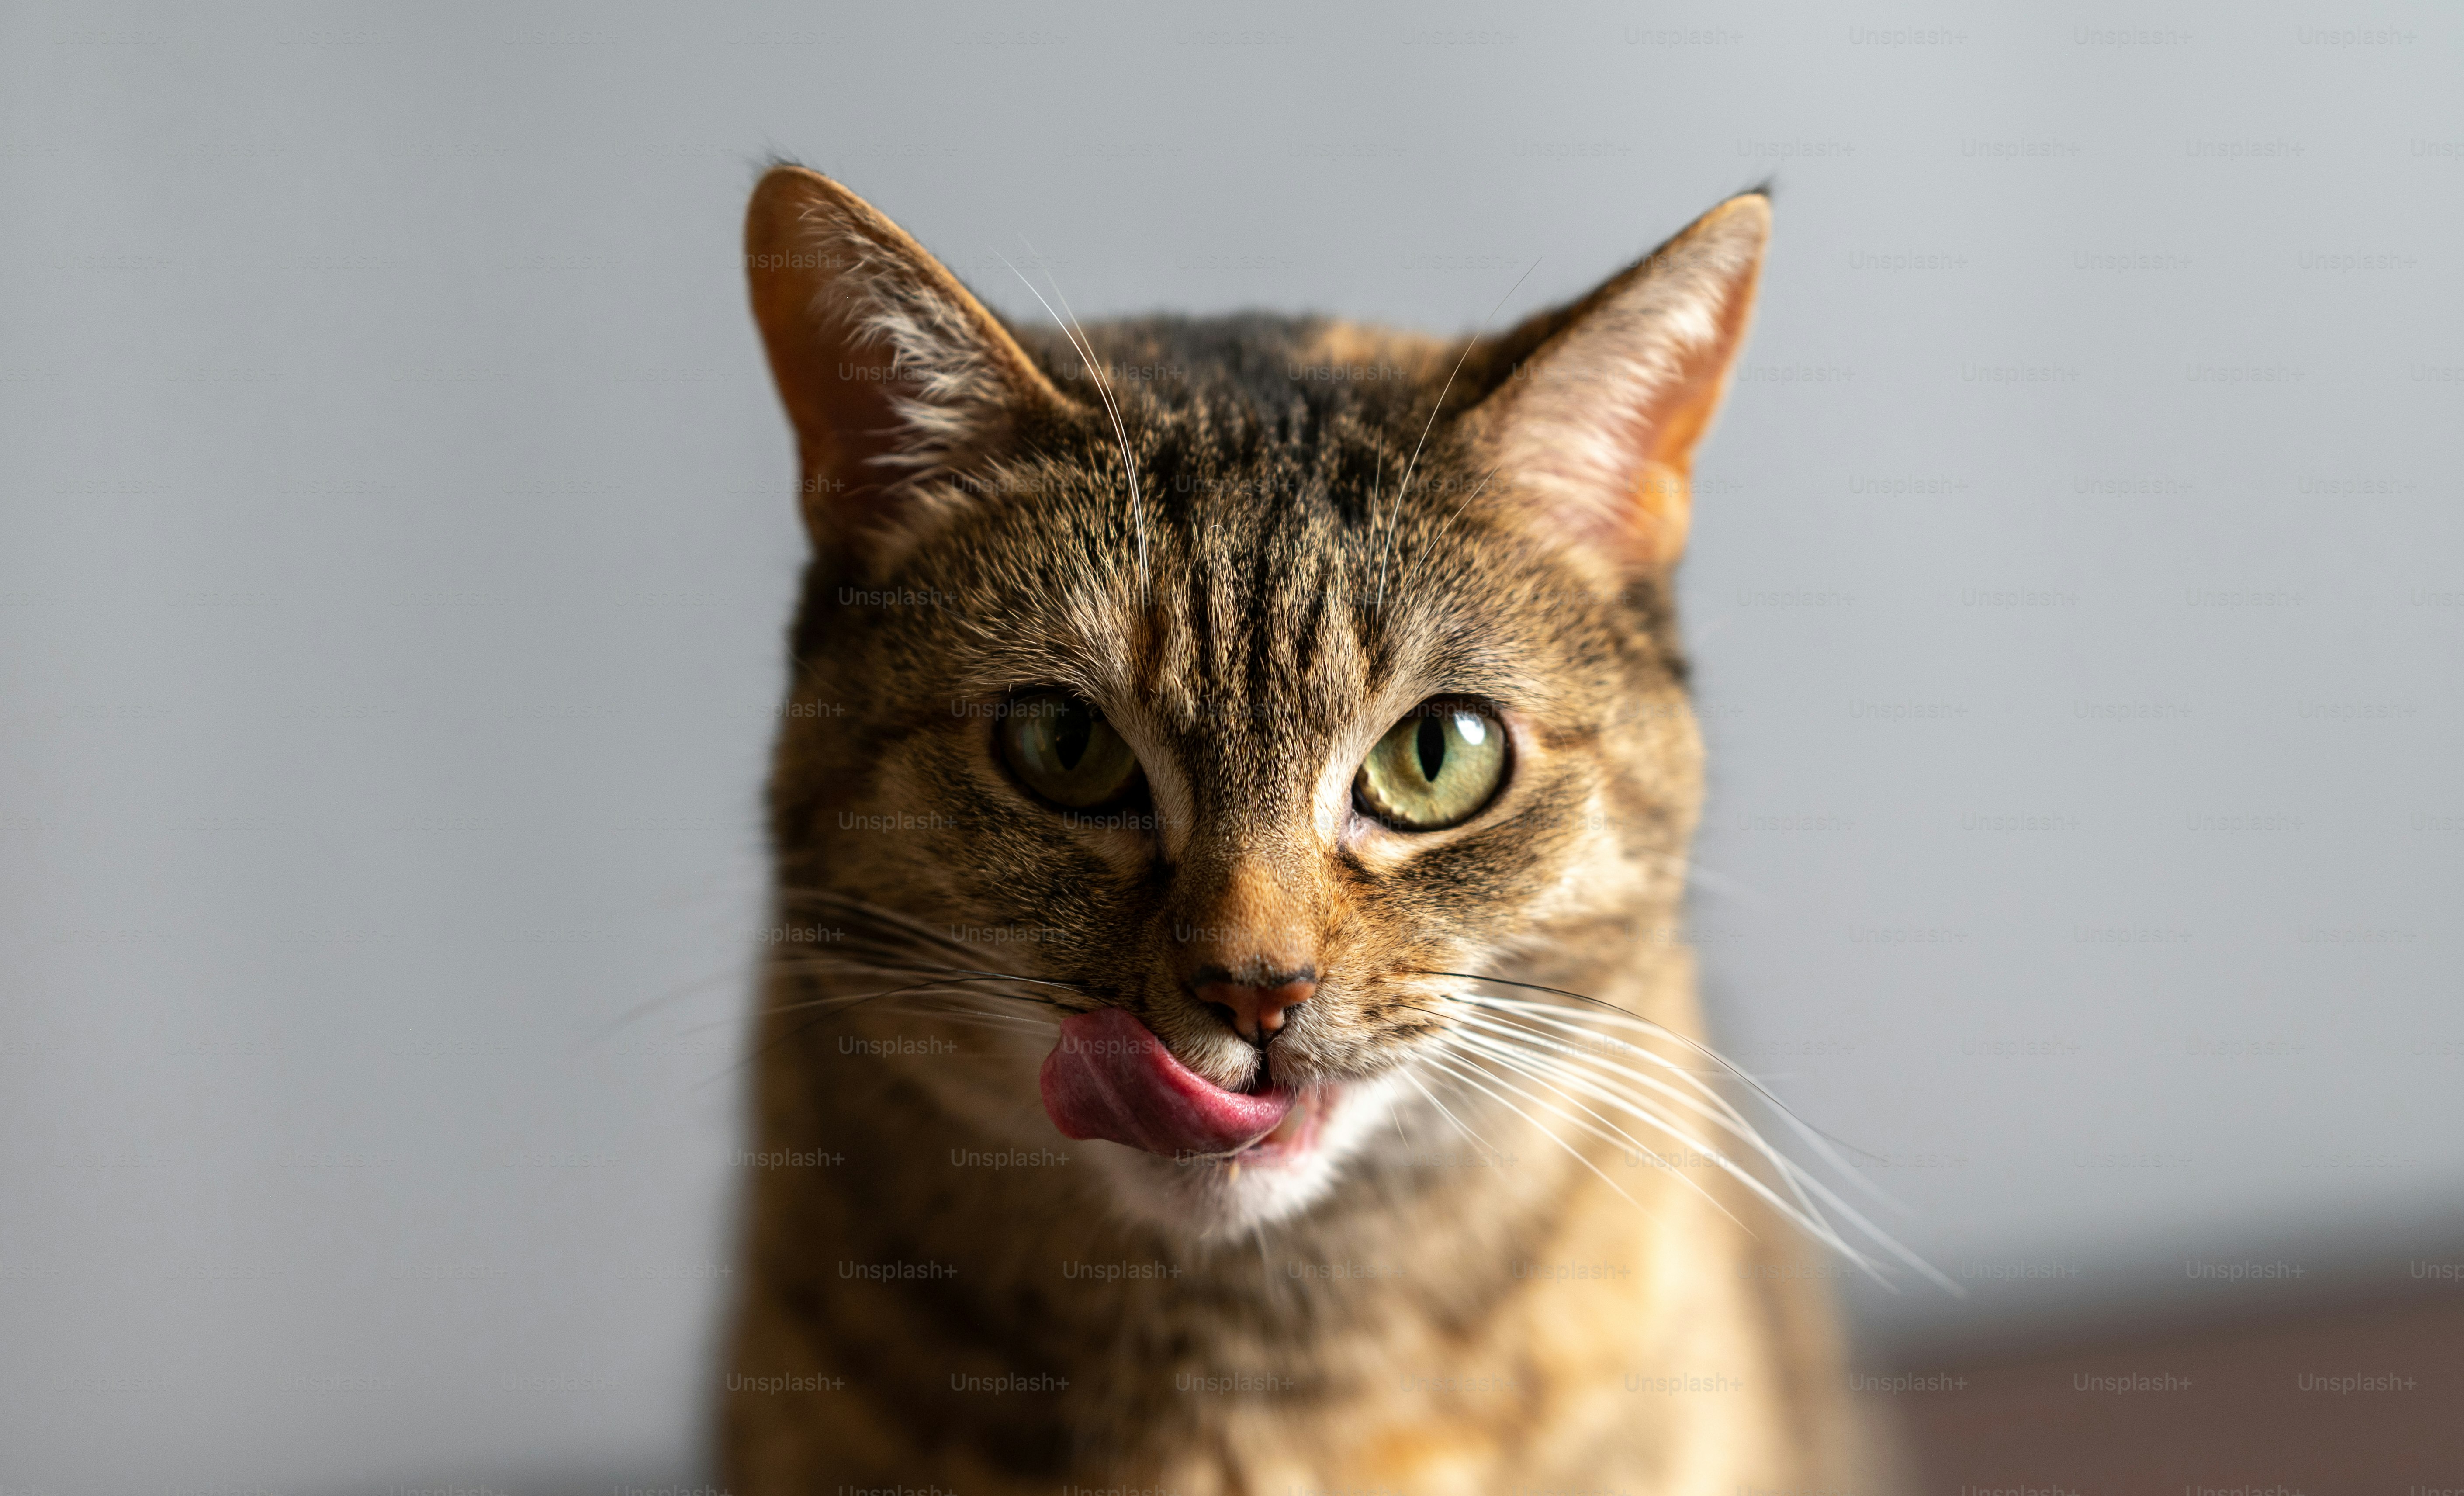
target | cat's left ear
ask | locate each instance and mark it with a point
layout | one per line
(1599, 419)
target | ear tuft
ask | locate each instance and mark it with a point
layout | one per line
(892, 373)
(1600, 424)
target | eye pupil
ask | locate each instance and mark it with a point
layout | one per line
(1435, 768)
(1063, 750)
(1432, 746)
(1074, 730)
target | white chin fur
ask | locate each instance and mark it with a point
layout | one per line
(1209, 1201)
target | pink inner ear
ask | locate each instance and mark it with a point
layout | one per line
(1662, 514)
(853, 405)
(1648, 522)
(1604, 430)
(843, 298)
(858, 423)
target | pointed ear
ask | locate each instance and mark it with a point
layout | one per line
(892, 374)
(1598, 422)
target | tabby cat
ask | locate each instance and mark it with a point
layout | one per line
(1230, 1032)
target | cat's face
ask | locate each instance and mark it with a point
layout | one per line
(1196, 750)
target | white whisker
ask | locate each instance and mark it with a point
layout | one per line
(1577, 1019)
(1522, 1035)
(1467, 1074)
(1395, 524)
(1071, 329)
(1805, 1217)
(1709, 1105)
(1800, 1181)
(1478, 1141)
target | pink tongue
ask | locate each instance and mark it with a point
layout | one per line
(1110, 1077)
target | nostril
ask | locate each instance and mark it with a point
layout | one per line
(1273, 1003)
(1256, 1013)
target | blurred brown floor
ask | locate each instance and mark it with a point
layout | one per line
(2027, 1419)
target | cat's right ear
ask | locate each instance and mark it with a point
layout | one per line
(893, 375)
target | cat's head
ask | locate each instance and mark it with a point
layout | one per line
(1212, 705)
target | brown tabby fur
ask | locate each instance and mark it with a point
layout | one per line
(1264, 607)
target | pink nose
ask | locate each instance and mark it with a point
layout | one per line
(1257, 1009)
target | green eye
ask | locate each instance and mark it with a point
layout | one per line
(1063, 749)
(1434, 769)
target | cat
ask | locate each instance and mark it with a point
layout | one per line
(1231, 813)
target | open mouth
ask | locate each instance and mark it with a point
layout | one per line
(1110, 1078)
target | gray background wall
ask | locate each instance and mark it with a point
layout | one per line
(397, 539)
